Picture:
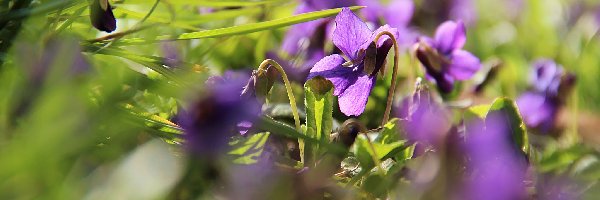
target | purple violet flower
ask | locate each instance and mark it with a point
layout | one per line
(420, 116)
(352, 82)
(211, 120)
(443, 57)
(305, 42)
(171, 54)
(495, 169)
(396, 13)
(539, 106)
(102, 16)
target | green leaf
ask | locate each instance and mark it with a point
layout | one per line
(246, 150)
(508, 110)
(212, 3)
(560, 159)
(377, 185)
(365, 155)
(390, 133)
(479, 111)
(282, 129)
(248, 28)
(318, 101)
(255, 27)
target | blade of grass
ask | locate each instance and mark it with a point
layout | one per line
(245, 28)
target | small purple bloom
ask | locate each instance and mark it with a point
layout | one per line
(102, 16)
(443, 57)
(397, 13)
(496, 169)
(352, 82)
(171, 55)
(421, 117)
(546, 76)
(305, 42)
(211, 120)
(549, 86)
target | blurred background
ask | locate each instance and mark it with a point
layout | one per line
(87, 114)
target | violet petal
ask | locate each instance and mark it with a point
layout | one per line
(463, 65)
(331, 69)
(399, 13)
(350, 33)
(450, 36)
(354, 99)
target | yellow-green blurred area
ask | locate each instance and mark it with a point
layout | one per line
(86, 114)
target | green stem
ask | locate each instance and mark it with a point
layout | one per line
(263, 66)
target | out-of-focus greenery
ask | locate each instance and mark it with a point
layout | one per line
(105, 129)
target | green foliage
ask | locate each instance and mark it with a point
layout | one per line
(506, 110)
(246, 150)
(319, 120)
(252, 27)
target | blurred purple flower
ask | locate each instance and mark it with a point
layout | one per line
(550, 83)
(443, 57)
(464, 10)
(313, 32)
(171, 55)
(305, 42)
(211, 120)
(102, 16)
(420, 117)
(59, 54)
(496, 169)
(353, 83)
(397, 13)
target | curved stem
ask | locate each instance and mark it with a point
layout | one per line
(392, 89)
(288, 87)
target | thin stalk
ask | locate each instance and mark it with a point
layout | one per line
(288, 87)
(390, 98)
(392, 90)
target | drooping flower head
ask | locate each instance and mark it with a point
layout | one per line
(211, 120)
(443, 57)
(102, 16)
(550, 84)
(353, 79)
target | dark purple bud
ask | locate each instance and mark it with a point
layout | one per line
(102, 16)
(348, 132)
